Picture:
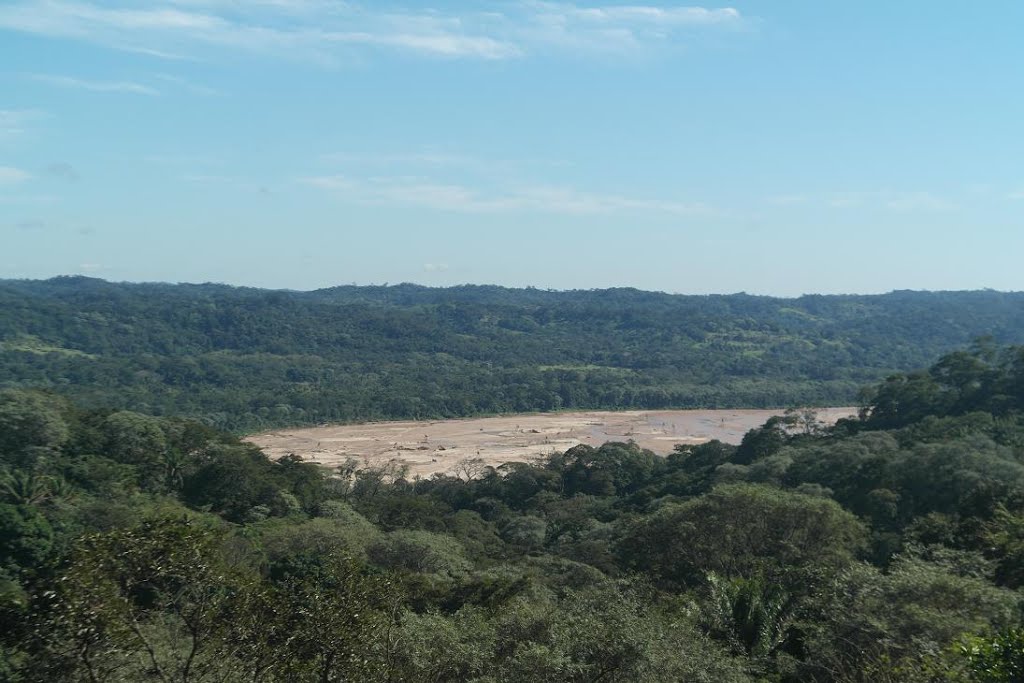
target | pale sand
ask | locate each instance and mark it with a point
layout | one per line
(437, 447)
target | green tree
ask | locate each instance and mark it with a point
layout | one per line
(32, 424)
(742, 530)
(149, 601)
(752, 613)
(337, 619)
(139, 440)
(26, 540)
(867, 620)
(997, 658)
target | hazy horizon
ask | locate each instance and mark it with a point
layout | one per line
(193, 283)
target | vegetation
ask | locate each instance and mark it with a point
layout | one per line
(245, 359)
(886, 548)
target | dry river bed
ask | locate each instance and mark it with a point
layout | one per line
(438, 446)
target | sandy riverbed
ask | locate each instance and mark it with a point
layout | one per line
(431, 447)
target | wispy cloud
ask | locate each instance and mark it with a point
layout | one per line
(434, 160)
(456, 197)
(227, 182)
(11, 122)
(128, 87)
(657, 16)
(882, 199)
(10, 175)
(183, 160)
(324, 30)
(14, 122)
(436, 41)
(209, 179)
(788, 199)
(22, 198)
(919, 201)
(188, 86)
(159, 54)
(426, 158)
(612, 29)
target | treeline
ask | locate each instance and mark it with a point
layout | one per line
(246, 359)
(887, 548)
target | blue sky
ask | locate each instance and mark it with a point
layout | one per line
(771, 147)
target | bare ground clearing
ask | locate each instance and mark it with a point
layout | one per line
(437, 446)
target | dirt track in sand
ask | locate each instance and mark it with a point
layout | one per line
(433, 447)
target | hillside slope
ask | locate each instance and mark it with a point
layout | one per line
(245, 359)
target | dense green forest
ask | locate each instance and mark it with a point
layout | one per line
(245, 359)
(886, 548)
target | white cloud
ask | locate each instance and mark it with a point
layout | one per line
(646, 14)
(437, 43)
(460, 198)
(617, 28)
(10, 175)
(95, 86)
(60, 19)
(286, 29)
(321, 30)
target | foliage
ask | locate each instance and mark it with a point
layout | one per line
(995, 659)
(244, 359)
(753, 613)
(136, 547)
(147, 599)
(742, 531)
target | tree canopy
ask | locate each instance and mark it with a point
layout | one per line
(246, 359)
(136, 547)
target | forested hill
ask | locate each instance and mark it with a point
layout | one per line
(888, 548)
(243, 358)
